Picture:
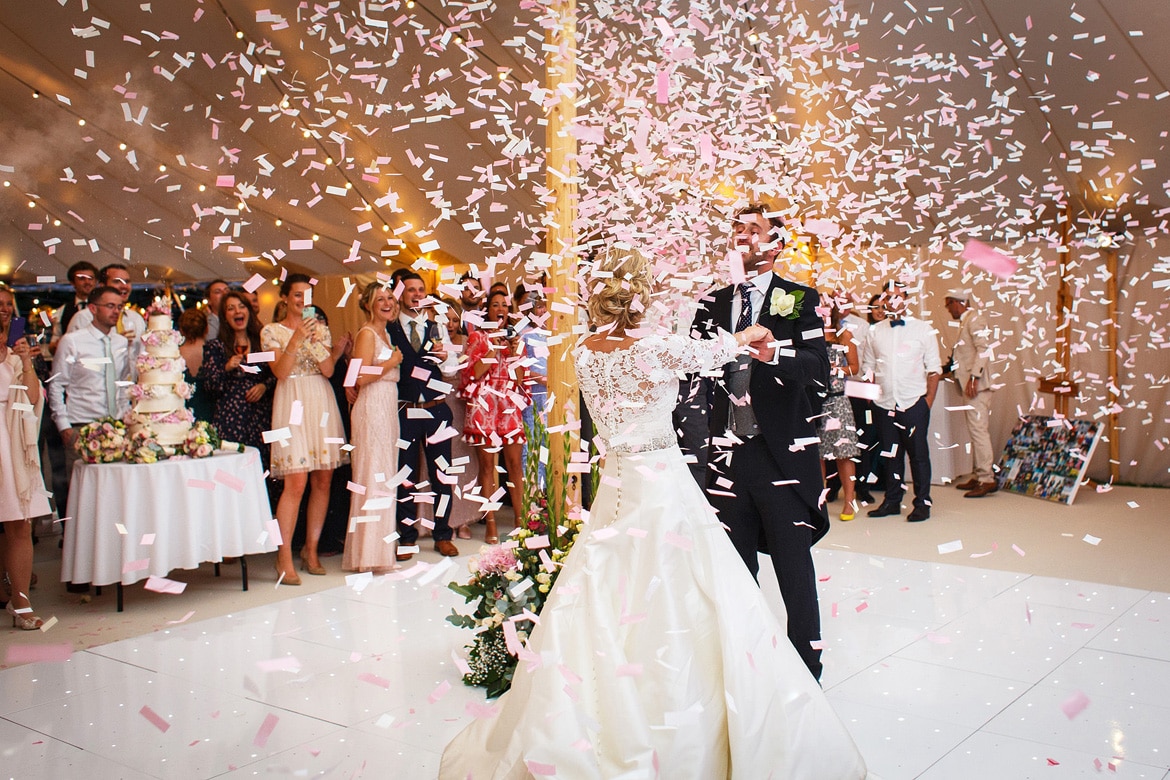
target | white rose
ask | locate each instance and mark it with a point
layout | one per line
(782, 303)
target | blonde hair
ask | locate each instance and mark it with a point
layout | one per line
(367, 298)
(620, 300)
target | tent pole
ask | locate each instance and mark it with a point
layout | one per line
(561, 246)
(1114, 386)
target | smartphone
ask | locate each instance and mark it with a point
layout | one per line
(310, 313)
(16, 330)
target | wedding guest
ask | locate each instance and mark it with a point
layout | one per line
(494, 388)
(253, 300)
(242, 392)
(424, 418)
(88, 367)
(22, 489)
(130, 323)
(373, 513)
(864, 417)
(83, 276)
(463, 511)
(470, 292)
(304, 357)
(970, 358)
(901, 353)
(337, 513)
(835, 428)
(215, 292)
(193, 328)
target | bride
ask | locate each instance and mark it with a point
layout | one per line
(656, 654)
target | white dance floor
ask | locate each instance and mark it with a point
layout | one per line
(939, 671)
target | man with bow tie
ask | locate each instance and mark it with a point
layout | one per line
(901, 354)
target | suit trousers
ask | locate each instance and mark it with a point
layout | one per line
(978, 425)
(760, 513)
(904, 433)
(417, 430)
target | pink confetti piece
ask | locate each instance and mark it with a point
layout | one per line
(676, 540)
(138, 565)
(863, 390)
(861, 607)
(439, 692)
(27, 654)
(538, 769)
(163, 585)
(183, 619)
(200, 484)
(1018, 551)
(265, 731)
(989, 259)
(229, 480)
(155, 719)
(374, 679)
(284, 663)
(1074, 705)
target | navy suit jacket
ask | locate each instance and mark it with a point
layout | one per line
(410, 388)
(785, 396)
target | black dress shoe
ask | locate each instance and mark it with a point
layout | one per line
(918, 514)
(885, 510)
(865, 496)
(77, 587)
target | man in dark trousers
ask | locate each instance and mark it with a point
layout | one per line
(764, 473)
(424, 419)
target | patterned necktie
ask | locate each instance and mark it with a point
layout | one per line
(415, 337)
(111, 387)
(745, 307)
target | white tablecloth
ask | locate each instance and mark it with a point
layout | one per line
(197, 511)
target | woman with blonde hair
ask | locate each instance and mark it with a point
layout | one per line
(22, 489)
(658, 655)
(372, 513)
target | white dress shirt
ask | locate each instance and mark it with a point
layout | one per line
(759, 289)
(77, 390)
(130, 322)
(900, 359)
(449, 366)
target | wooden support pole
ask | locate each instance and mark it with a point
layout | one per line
(1061, 387)
(561, 243)
(1114, 381)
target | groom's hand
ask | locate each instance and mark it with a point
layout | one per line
(764, 350)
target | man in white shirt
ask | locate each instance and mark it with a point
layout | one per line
(88, 365)
(971, 357)
(901, 354)
(129, 322)
(83, 276)
(215, 292)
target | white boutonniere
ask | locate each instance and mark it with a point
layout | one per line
(786, 305)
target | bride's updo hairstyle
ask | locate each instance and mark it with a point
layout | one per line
(620, 300)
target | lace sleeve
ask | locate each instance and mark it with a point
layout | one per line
(683, 355)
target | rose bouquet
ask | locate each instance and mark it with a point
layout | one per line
(159, 306)
(102, 441)
(144, 448)
(202, 440)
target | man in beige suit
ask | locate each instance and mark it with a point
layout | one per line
(970, 360)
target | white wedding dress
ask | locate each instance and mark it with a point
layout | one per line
(656, 655)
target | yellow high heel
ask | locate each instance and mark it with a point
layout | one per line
(849, 511)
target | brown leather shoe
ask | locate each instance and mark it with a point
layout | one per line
(403, 556)
(970, 484)
(446, 548)
(982, 489)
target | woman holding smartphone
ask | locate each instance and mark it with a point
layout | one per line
(303, 358)
(22, 490)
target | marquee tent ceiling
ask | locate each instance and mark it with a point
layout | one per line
(405, 129)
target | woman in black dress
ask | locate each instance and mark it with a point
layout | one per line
(242, 392)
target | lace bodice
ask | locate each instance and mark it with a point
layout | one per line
(631, 392)
(276, 335)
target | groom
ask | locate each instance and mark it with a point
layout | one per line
(763, 473)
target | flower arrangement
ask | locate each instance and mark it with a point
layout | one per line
(102, 441)
(510, 584)
(160, 306)
(162, 338)
(144, 448)
(202, 440)
(140, 392)
(147, 362)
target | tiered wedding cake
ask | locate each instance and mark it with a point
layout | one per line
(160, 396)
